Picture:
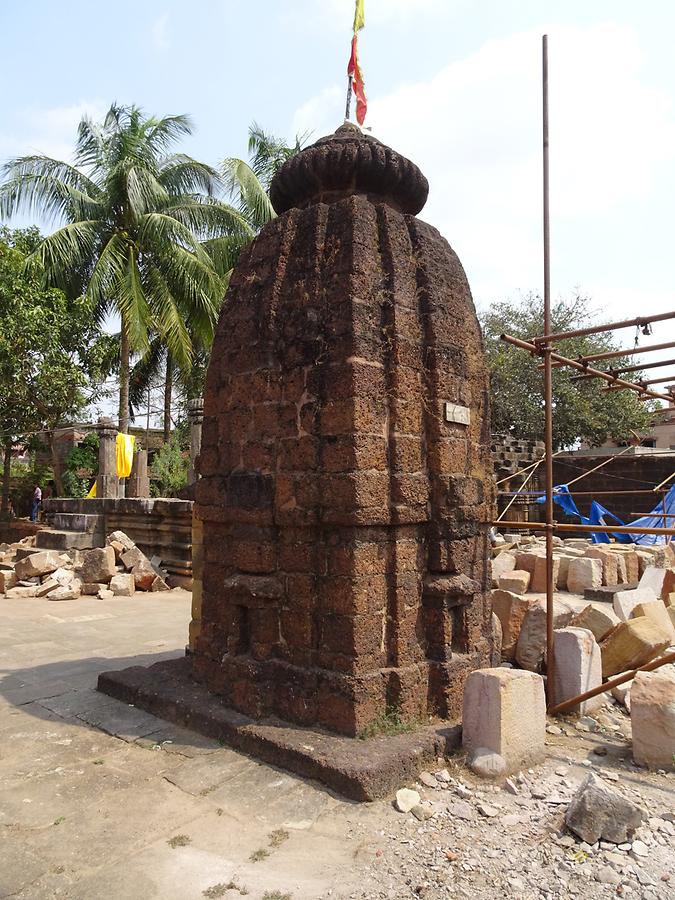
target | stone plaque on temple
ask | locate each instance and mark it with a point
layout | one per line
(343, 509)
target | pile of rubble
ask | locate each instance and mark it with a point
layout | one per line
(614, 609)
(117, 570)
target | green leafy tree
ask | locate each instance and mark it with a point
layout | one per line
(169, 466)
(583, 411)
(142, 228)
(48, 352)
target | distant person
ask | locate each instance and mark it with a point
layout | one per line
(36, 504)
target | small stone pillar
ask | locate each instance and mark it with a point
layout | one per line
(195, 418)
(138, 483)
(107, 482)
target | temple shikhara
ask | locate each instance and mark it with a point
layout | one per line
(346, 476)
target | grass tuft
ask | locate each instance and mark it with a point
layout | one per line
(278, 837)
(259, 855)
(179, 840)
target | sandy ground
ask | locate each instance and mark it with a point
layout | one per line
(101, 800)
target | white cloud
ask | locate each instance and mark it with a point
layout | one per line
(474, 129)
(159, 32)
(50, 131)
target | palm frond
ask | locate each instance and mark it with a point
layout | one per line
(180, 174)
(63, 254)
(246, 189)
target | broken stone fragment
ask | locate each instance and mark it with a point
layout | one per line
(133, 557)
(16, 593)
(510, 609)
(7, 580)
(122, 585)
(596, 812)
(92, 588)
(505, 562)
(64, 592)
(119, 549)
(598, 620)
(658, 613)
(105, 594)
(516, 581)
(630, 645)
(486, 763)
(584, 573)
(406, 799)
(36, 564)
(98, 565)
(121, 538)
(624, 603)
(652, 716)
(538, 581)
(47, 586)
(144, 575)
(159, 584)
(531, 646)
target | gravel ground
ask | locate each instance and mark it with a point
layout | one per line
(490, 840)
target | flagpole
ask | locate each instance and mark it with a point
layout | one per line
(349, 98)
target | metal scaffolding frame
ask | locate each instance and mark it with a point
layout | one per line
(543, 347)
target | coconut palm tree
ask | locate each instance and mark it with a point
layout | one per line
(143, 233)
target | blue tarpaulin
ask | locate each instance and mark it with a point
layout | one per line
(599, 514)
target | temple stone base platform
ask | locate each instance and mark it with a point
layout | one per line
(358, 769)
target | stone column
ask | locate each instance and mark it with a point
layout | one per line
(195, 417)
(107, 482)
(138, 483)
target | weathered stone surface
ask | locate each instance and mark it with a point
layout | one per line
(598, 620)
(526, 559)
(584, 573)
(622, 692)
(345, 458)
(406, 799)
(91, 589)
(144, 575)
(606, 594)
(497, 637)
(64, 592)
(98, 565)
(7, 580)
(121, 538)
(122, 585)
(656, 611)
(538, 582)
(501, 564)
(630, 645)
(531, 646)
(610, 574)
(652, 716)
(658, 581)
(105, 594)
(159, 584)
(597, 812)
(578, 668)
(133, 557)
(625, 602)
(510, 609)
(487, 763)
(516, 581)
(494, 700)
(36, 564)
(16, 593)
(47, 586)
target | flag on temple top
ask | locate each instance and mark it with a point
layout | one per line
(354, 69)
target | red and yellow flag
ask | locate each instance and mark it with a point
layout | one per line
(354, 69)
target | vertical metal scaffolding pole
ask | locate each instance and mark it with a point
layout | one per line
(548, 389)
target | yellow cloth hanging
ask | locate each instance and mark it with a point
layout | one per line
(124, 452)
(92, 492)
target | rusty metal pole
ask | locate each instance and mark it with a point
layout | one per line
(548, 378)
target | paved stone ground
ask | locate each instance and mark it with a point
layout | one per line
(101, 800)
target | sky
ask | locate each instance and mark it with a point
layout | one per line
(455, 85)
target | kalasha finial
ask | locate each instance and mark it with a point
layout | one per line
(345, 163)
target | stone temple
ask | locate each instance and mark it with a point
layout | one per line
(346, 477)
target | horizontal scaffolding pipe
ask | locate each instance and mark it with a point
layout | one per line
(598, 529)
(531, 348)
(612, 683)
(588, 493)
(598, 329)
(615, 354)
(638, 367)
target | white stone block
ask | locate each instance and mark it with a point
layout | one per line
(652, 716)
(578, 667)
(584, 573)
(625, 601)
(505, 712)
